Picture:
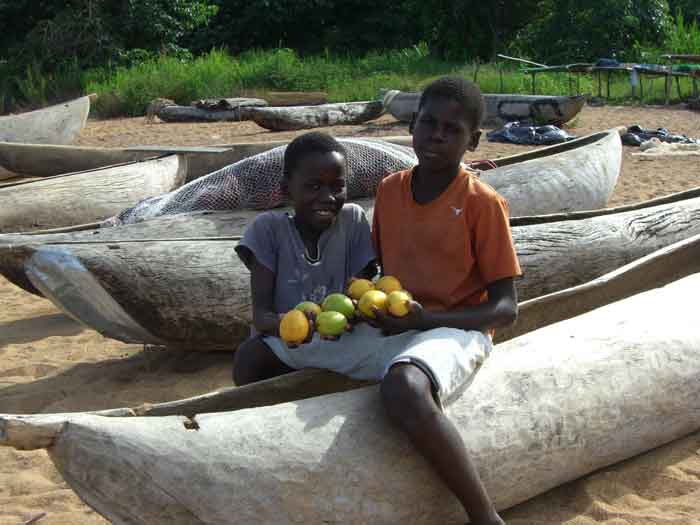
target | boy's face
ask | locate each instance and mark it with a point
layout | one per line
(317, 189)
(441, 134)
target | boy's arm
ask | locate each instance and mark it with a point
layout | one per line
(262, 289)
(258, 251)
(501, 309)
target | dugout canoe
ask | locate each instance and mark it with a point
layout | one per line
(86, 196)
(546, 408)
(287, 118)
(41, 160)
(134, 284)
(562, 178)
(59, 124)
(577, 175)
(500, 108)
(653, 271)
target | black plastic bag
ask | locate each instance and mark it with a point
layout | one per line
(636, 135)
(519, 133)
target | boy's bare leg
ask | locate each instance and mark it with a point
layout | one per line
(407, 395)
(254, 361)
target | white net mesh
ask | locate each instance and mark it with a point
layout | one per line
(254, 183)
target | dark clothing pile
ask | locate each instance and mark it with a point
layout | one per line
(636, 135)
(520, 133)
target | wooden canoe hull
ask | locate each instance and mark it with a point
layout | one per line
(59, 124)
(47, 160)
(40, 160)
(545, 408)
(16, 248)
(580, 175)
(178, 292)
(576, 176)
(88, 196)
(500, 108)
(307, 117)
(653, 271)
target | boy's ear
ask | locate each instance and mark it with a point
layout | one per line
(412, 124)
(474, 143)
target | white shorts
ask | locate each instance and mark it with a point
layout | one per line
(448, 356)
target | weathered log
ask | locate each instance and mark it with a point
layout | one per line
(195, 293)
(545, 408)
(217, 104)
(500, 108)
(305, 117)
(198, 114)
(295, 98)
(59, 124)
(86, 196)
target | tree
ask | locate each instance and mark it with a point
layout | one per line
(310, 26)
(689, 8)
(472, 29)
(49, 33)
(569, 30)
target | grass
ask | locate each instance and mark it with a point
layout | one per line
(127, 91)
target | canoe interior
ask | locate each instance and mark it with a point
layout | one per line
(550, 150)
(22, 182)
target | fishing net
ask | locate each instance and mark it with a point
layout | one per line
(254, 182)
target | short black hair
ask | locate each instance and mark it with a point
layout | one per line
(465, 93)
(314, 142)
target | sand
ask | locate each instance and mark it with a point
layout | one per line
(49, 363)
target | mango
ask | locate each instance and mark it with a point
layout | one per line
(358, 287)
(397, 303)
(338, 302)
(331, 324)
(308, 306)
(294, 327)
(372, 298)
(388, 284)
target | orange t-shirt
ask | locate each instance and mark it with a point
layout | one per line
(447, 251)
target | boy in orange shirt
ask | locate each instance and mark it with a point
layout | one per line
(446, 236)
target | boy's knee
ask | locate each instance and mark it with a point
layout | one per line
(247, 362)
(407, 393)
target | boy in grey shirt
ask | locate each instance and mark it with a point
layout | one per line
(301, 257)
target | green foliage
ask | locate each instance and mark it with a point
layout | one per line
(128, 90)
(585, 30)
(51, 39)
(472, 29)
(310, 26)
(690, 9)
(134, 50)
(684, 38)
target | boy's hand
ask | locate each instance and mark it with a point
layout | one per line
(391, 325)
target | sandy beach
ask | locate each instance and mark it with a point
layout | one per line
(49, 363)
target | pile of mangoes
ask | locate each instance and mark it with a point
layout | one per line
(338, 311)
